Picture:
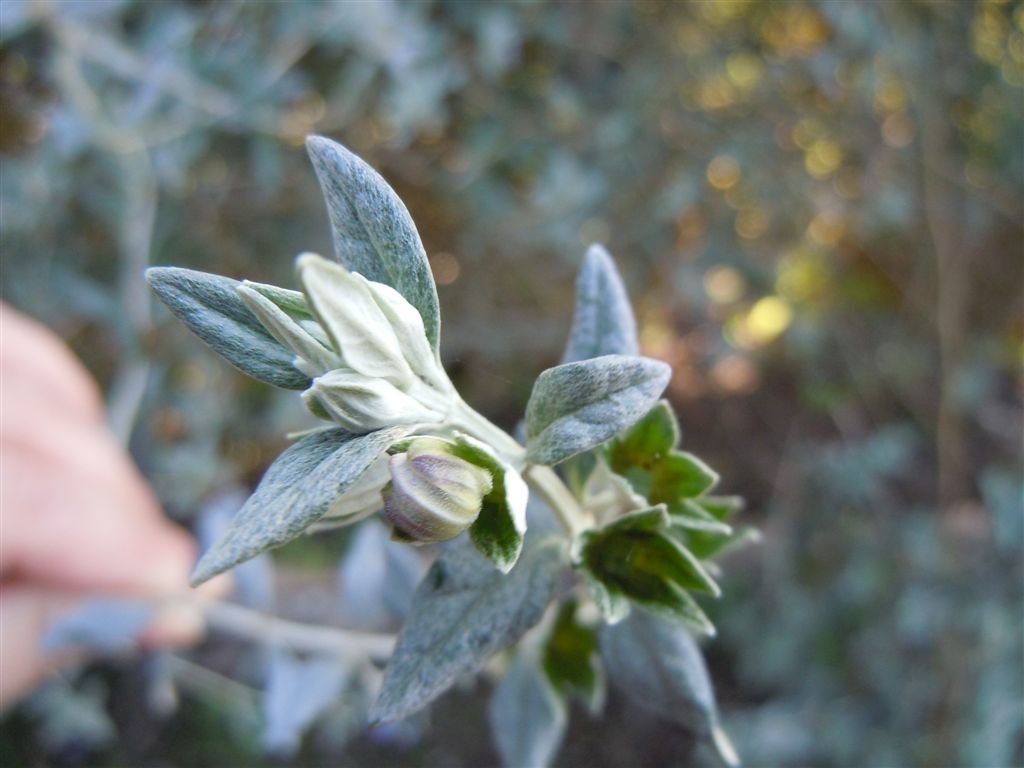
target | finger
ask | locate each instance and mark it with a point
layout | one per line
(26, 613)
(30, 351)
(69, 532)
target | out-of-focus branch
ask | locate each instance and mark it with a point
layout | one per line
(139, 197)
(261, 627)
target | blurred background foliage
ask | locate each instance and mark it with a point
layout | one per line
(817, 206)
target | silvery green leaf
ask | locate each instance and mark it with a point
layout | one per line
(361, 499)
(252, 581)
(527, 716)
(210, 306)
(374, 234)
(104, 625)
(298, 691)
(289, 328)
(463, 612)
(359, 330)
(603, 323)
(377, 578)
(298, 489)
(577, 406)
(658, 666)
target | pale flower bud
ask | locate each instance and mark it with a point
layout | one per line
(360, 404)
(299, 332)
(433, 495)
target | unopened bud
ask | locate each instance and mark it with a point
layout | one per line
(433, 495)
(361, 404)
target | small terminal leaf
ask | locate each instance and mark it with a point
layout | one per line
(577, 406)
(571, 660)
(637, 557)
(464, 612)
(527, 716)
(212, 309)
(647, 441)
(374, 234)
(603, 323)
(658, 666)
(299, 488)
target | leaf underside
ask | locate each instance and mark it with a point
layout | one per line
(211, 308)
(297, 490)
(464, 612)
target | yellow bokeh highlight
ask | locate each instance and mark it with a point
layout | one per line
(768, 319)
(890, 95)
(743, 70)
(724, 285)
(801, 276)
(751, 223)
(794, 30)
(715, 92)
(823, 158)
(723, 172)
(764, 322)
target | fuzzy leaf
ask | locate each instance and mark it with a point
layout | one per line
(603, 323)
(291, 323)
(577, 406)
(638, 558)
(527, 716)
(298, 691)
(679, 475)
(377, 578)
(658, 666)
(297, 490)
(374, 234)
(647, 441)
(463, 612)
(212, 309)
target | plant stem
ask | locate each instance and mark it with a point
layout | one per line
(261, 627)
(573, 518)
(473, 423)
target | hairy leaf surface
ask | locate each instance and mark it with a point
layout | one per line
(658, 666)
(374, 234)
(527, 716)
(212, 309)
(297, 490)
(577, 406)
(603, 322)
(463, 612)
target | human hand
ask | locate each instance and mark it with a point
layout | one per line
(76, 517)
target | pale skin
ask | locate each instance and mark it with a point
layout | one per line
(76, 516)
